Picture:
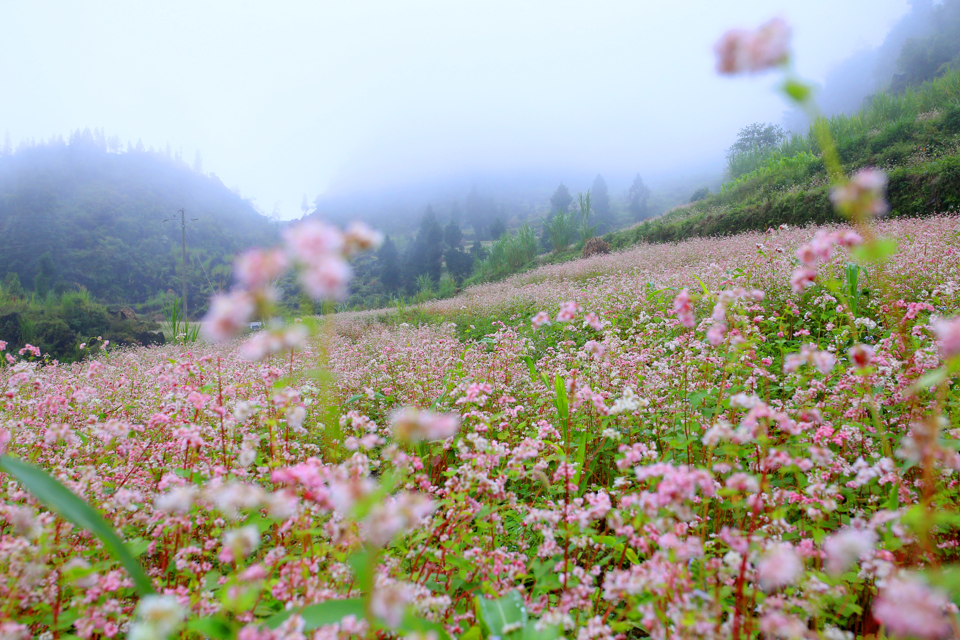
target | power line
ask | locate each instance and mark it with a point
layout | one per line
(183, 235)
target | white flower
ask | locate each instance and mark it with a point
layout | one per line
(243, 541)
(157, 617)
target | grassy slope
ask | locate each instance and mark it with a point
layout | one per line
(915, 137)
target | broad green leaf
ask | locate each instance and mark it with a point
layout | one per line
(413, 623)
(61, 500)
(798, 91)
(211, 628)
(876, 251)
(551, 632)
(318, 615)
(508, 611)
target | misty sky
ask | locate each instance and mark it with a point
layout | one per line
(287, 98)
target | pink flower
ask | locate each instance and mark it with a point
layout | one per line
(595, 348)
(948, 336)
(779, 567)
(411, 424)
(803, 278)
(846, 547)
(683, 308)
(326, 278)
(909, 608)
(313, 241)
(824, 361)
(740, 51)
(361, 237)
(539, 320)
(228, 314)
(861, 355)
(256, 269)
(388, 602)
(716, 332)
(593, 321)
(568, 311)
(862, 195)
(3, 345)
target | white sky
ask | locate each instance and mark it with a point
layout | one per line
(287, 98)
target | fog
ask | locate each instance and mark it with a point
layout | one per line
(379, 107)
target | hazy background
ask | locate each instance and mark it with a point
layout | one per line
(363, 102)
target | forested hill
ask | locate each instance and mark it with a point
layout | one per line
(99, 214)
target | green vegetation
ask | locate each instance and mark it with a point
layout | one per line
(913, 136)
(67, 326)
(86, 215)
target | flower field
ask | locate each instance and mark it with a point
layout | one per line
(687, 441)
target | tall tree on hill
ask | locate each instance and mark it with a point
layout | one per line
(389, 265)
(455, 214)
(453, 235)
(600, 201)
(425, 254)
(44, 279)
(497, 229)
(561, 199)
(638, 195)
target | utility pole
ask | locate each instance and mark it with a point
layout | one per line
(183, 239)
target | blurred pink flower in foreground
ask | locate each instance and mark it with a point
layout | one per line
(862, 195)
(361, 237)
(683, 307)
(258, 268)
(909, 608)
(846, 547)
(539, 320)
(779, 567)
(411, 424)
(948, 336)
(227, 316)
(861, 355)
(741, 51)
(568, 311)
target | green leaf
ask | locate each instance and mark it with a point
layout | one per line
(61, 500)
(211, 628)
(930, 379)
(530, 632)
(413, 623)
(797, 91)
(875, 251)
(319, 615)
(508, 611)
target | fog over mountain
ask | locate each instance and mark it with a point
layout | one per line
(367, 102)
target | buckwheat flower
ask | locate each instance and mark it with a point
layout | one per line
(741, 51)
(683, 308)
(228, 315)
(247, 457)
(594, 348)
(777, 624)
(24, 522)
(177, 500)
(715, 333)
(910, 609)
(861, 355)
(568, 311)
(410, 424)
(361, 237)
(345, 493)
(313, 241)
(257, 268)
(862, 195)
(802, 279)
(3, 345)
(282, 505)
(846, 547)
(14, 631)
(948, 336)
(779, 567)
(593, 321)
(824, 361)
(539, 320)
(157, 617)
(326, 278)
(241, 542)
(389, 602)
